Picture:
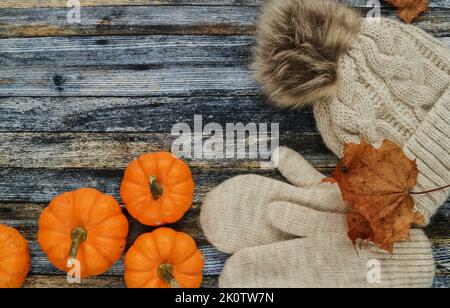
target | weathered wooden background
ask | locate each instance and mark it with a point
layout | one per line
(78, 102)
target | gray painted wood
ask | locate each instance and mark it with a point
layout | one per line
(110, 81)
(135, 20)
(42, 185)
(115, 151)
(141, 80)
(130, 114)
(53, 281)
(84, 3)
(136, 52)
(98, 72)
(140, 52)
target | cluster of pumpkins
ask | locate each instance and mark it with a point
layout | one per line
(87, 229)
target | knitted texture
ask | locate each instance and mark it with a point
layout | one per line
(394, 84)
(289, 236)
(233, 218)
(233, 214)
(329, 260)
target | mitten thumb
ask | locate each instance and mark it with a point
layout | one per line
(300, 221)
(295, 168)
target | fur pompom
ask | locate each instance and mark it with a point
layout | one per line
(299, 45)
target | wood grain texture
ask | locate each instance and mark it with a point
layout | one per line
(115, 151)
(42, 185)
(176, 75)
(144, 52)
(78, 102)
(84, 3)
(135, 52)
(110, 81)
(146, 20)
(58, 281)
(130, 114)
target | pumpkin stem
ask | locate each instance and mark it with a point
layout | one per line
(165, 272)
(78, 235)
(155, 188)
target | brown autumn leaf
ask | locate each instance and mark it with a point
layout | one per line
(358, 227)
(377, 185)
(408, 10)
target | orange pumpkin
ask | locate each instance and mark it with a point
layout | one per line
(163, 259)
(157, 189)
(14, 258)
(85, 226)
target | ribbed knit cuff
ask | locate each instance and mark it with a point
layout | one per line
(430, 145)
(411, 265)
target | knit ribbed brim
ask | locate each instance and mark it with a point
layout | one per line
(330, 261)
(430, 145)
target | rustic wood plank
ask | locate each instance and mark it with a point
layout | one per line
(115, 151)
(174, 74)
(42, 185)
(84, 3)
(135, 20)
(441, 282)
(108, 81)
(59, 281)
(140, 52)
(129, 20)
(84, 114)
(439, 226)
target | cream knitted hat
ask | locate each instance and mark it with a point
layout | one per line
(375, 80)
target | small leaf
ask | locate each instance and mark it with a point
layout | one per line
(408, 10)
(377, 185)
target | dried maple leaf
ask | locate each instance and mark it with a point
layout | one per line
(377, 185)
(409, 9)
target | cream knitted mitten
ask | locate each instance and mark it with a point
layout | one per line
(261, 220)
(373, 80)
(233, 214)
(326, 258)
(313, 248)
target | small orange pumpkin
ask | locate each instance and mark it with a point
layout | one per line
(14, 258)
(85, 226)
(164, 259)
(157, 189)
